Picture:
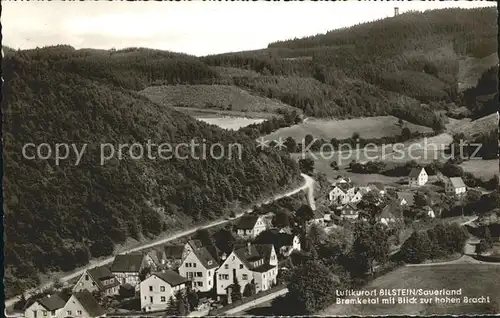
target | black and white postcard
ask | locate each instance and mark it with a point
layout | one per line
(250, 158)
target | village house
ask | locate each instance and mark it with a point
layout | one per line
(169, 256)
(48, 306)
(82, 305)
(359, 194)
(127, 267)
(455, 186)
(290, 243)
(199, 267)
(417, 177)
(405, 199)
(349, 211)
(429, 212)
(389, 214)
(249, 226)
(157, 289)
(255, 264)
(100, 279)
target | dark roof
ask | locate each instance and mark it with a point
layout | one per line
(247, 222)
(344, 186)
(101, 273)
(263, 268)
(171, 277)
(173, 251)
(89, 303)
(53, 302)
(195, 243)
(252, 253)
(415, 172)
(206, 258)
(127, 263)
(350, 209)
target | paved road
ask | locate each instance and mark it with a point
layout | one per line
(308, 186)
(256, 302)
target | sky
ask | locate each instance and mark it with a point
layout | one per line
(196, 27)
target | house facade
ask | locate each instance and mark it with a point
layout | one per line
(338, 196)
(291, 243)
(199, 268)
(417, 177)
(49, 306)
(82, 305)
(169, 256)
(157, 289)
(127, 267)
(249, 226)
(100, 279)
(251, 264)
(349, 212)
(455, 186)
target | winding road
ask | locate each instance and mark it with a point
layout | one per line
(308, 186)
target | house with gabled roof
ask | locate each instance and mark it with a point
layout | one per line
(82, 305)
(455, 186)
(417, 177)
(255, 264)
(249, 226)
(350, 211)
(98, 279)
(390, 213)
(48, 306)
(127, 267)
(199, 267)
(157, 289)
(169, 256)
(405, 198)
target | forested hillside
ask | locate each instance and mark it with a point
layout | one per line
(397, 62)
(59, 216)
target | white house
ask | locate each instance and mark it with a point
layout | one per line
(199, 268)
(82, 305)
(418, 177)
(349, 211)
(338, 196)
(250, 225)
(290, 243)
(429, 211)
(157, 289)
(127, 267)
(255, 264)
(98, 278)
(455, 186)
(405, 199)
(48, 306)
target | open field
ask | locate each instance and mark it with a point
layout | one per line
(473, 128)
(233, 123)
(211, 113)
(475, 280)
(213, 97)
(484, 169)
(471, 68)
(368, 127)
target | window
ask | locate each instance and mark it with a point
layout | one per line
(68, 312)
(189, 274)
(163, 299)
(241, 266)
(226, 266)
(210, 262)
(151, 299)
(150, 288)
(209, 273)
(53, 313)
(35, 313)
(194, 264)
(199, 284)
(245, 277)
(45, 313)
(162, 288)
(199, 274)
(86, 277)
(79, 312)
(264, 275)
(223, 276)
(188, 264)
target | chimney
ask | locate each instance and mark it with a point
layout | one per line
(249, 248)
(223, 257)
(396, 11)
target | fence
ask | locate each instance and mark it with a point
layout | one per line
(245, 300)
